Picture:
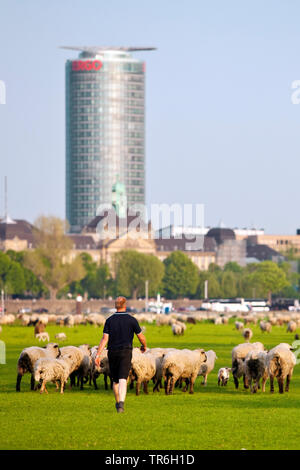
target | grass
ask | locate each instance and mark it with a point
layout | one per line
(213, 418)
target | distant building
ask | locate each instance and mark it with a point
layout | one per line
(15, 235)
(105, 114)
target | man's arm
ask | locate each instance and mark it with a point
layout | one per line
(102, 345)
(142, 340)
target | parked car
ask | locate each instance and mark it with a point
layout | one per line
(41, 310)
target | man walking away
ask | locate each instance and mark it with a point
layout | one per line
(118, 332)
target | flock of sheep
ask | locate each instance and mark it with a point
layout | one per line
(166, 367)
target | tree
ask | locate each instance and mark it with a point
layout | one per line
(268, 278)
(133, 269)
(181, 276)
(228, 284)
(49, 260)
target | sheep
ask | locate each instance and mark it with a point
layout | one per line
(43, 336)
(265, 326)
(256, 369)
(96, 319)
(102, 369)
(159, 354)
(178, 328)
(247, 334)
(61, 336)
(0, 329)
(52, 370)
(238, 355)
(77, 355)
(7, 319)
(69, 321)
(207, 366)
(291, 327)
(143, 368)
(182, 364)
(28, 358)
(223, 376)
(83, 373)
(280, 363)
(239, 325)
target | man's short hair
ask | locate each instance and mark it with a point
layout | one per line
(120, 302)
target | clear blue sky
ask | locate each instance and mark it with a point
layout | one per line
(220, 126)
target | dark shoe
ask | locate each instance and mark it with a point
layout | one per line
(117, 407)
(120, 408)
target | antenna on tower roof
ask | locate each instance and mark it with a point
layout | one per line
(6, 218)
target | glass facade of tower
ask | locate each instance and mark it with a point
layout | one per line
(104, 132)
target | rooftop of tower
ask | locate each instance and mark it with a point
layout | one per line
(97, 49)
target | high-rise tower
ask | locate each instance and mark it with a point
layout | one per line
(105, 133)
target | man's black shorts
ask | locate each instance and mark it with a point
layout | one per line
(119, 363)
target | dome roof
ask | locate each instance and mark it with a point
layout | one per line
(221, 234)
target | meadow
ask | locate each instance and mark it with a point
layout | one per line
(213, 418)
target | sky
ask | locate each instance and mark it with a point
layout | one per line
(221, 129)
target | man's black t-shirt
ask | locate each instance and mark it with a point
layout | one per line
(121, 328)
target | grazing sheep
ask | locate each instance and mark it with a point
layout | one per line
(159, 354)
(182, 364)
(207, 366)
(43, 336)
(247, 333)
(77, 356)
(143, 368)
(239, 354)
(83, 373)
(28, 358)
(69, 321)
(96, 319)
(61, 337)
(291, 327)
(280, 363)
(52, 370)
(239, 325)
(256, 369)
(265, 326)
(223, 376)
(178, 328)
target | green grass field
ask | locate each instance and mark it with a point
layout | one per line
(213, 418)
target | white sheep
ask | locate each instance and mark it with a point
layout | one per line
(291, 327)
(265, 326)
(178, 328)
(77, 357)
(61, 336)
(223, 376)
(143, 368)
(52, 370)
(43, 336)
(238, 355)
(28, 358)
(281, 362)
(256, 369)
(207, 366)
(247, 334)
(239, 325)
(182, 364)
(103, 368)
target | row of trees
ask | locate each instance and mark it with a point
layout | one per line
(49, 271)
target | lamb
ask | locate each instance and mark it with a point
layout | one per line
(239, 354)
(143, 368)
(247, 333)
(207, 366)
(280, 363)
(291, 327)
(256, 369)
(265, 326)
(28, 358)
(61, 337)
(182, 364)
(223, 376)
(43, 336)
(52, 370)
